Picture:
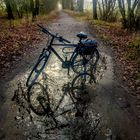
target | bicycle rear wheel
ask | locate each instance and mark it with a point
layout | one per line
(93, 58)
(79, 62)
(34, 74)
(81, 85)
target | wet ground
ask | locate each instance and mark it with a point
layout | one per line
(107, 109)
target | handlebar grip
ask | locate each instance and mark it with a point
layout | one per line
(42, 27)
(60, 38)
(39, 25)
(44, 30)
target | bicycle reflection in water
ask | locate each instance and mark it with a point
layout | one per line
(61, 108)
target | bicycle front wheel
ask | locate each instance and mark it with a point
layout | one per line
(82, 84)
(34, 74)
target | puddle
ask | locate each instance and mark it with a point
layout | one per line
(77, 120)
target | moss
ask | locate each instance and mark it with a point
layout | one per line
(134, 54)
(135, 43)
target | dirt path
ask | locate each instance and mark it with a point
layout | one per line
(109, 101)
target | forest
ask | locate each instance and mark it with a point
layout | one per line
(18, 9)
(126, 11)
(117, 22)
(102, 86)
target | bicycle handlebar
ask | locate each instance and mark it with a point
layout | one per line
(59, 38)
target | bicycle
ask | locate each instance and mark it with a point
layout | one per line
(82, 55)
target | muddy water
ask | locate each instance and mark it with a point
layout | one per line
(104, 111)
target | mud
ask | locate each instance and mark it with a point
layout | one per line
(107, 109)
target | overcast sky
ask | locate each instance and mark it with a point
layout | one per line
(88, 0)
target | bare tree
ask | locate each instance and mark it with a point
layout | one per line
(80, 4)
(137, 17)
(94, 9)
(37, 7)
(9, 9)
(129, 12)
(67, 4)
(72, 5)
(106, 9)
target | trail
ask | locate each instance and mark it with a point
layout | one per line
(110, 101)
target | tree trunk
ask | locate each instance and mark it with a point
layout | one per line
(9, 10)
(37, 7)
(123, 13)
(72, 8)
(130, 18)
(94, 9)
(81, 5)
(67, 4)
(32, 8)
(64, 4)
(137, 19)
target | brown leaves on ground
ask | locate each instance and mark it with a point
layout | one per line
(126, 50)
(18, 39)
(15, 40)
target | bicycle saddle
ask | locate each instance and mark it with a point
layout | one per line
(82, 35)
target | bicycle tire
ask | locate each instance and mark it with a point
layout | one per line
(78, 90)
(85, 61)
(94, 60)
(36, 91)
(31, 81)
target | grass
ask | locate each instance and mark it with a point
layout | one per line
(134, 46)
